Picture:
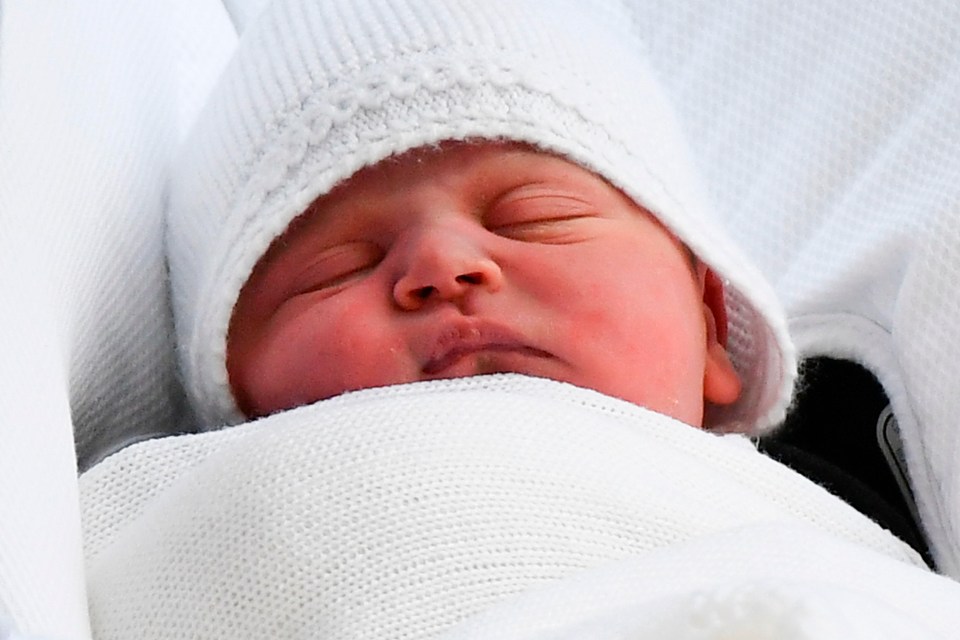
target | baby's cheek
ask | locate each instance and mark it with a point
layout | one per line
(364, 349)
(588, 324)
(597, 307)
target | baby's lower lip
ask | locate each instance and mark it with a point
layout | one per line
(487, 358)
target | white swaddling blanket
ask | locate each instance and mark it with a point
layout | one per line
(398, 512)
(761, 582)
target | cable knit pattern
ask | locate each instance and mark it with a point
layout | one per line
(318, 90)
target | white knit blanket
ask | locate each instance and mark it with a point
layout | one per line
(764, 582)
(398, 512)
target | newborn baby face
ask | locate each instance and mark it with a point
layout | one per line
(470, 259)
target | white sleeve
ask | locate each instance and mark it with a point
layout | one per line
(93, 97)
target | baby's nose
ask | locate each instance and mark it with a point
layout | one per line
(442, 264)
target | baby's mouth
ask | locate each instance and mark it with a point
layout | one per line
(491, 343)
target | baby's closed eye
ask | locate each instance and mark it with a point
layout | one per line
(334, 268)
(538, 215)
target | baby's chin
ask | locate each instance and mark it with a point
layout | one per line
(488, 361)
(545, 366)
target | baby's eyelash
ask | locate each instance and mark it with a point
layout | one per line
(547, 230)
(537, 214)
(335, 267)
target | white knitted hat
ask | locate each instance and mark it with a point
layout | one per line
(320, 88)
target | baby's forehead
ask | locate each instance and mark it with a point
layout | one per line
(481, 168)
(454, 157)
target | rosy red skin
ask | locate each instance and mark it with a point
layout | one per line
(479, 258)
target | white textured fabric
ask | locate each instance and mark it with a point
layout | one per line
(828, 134)
(760, 582)
(93, 99)
(926, 341)
(243, 12)
(319, 89)
(397, 512)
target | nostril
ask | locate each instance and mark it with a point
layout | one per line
(424, 292)
(470, 278)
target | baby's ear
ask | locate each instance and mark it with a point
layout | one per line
(721, 382)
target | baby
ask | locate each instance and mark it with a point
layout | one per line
(474, 258)
(382, 193)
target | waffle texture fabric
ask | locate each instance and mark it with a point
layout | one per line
(94, 98)
(399, 512)
(318, 90)
(828, 135)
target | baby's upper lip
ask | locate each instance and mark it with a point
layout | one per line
(458, 339)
